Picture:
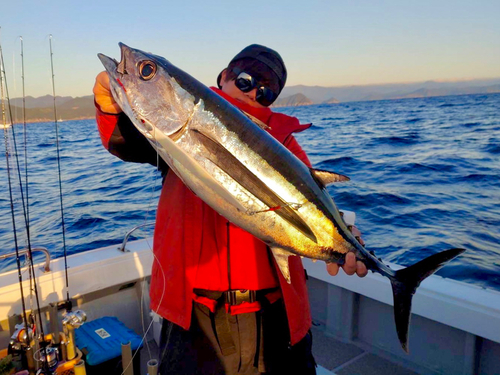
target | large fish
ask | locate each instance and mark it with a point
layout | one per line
(243, 173)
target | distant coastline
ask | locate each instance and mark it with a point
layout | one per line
(328, 95)
(41, 109)
(38, 120)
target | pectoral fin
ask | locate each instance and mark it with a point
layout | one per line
(227, 162)
(256, 121)
(281, 257)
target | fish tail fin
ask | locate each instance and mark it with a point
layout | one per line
(405, 283)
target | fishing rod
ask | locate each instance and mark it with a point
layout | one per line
(18, 336)
(24, 203)
(59, 174)
(39, 338)
(29, 259)
(21, 344)
(72, 319)
(9, 179)
(25, 132)
(32, 277)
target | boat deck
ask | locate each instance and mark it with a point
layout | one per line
(332, 356)
(336, 357)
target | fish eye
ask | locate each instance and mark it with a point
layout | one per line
(147, 70)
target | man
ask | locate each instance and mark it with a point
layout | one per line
(226, 307)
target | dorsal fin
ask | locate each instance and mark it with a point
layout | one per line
(326, 178)
(255, 120)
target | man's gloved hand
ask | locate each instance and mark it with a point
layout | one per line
(103, 96)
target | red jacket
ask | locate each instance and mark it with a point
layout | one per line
(183, 221)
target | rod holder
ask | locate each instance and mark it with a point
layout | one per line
(64, 352)
(128, 366)
(30, 360)
(152, 367)
(79, 368)
(54, 323)
(70, 343)
(36, 348)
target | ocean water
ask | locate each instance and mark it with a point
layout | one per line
(425, 176)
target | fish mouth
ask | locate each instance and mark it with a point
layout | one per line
(109, 63)
(112, 66)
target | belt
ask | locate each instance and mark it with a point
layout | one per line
(238, 296)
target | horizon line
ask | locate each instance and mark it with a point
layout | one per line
(439, 80)
(340, 86)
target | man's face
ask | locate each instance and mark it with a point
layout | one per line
(230, 89)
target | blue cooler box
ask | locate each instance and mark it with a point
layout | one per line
(101, 341)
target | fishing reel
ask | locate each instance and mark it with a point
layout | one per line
(47, 359)
(74, 318)
(19, 345)
(20, 336)
(19, 341)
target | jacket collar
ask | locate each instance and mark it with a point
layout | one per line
(263, 114)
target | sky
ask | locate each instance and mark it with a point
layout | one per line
(324, 43)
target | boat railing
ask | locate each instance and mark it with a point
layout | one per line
(46, 267)
(124, 243)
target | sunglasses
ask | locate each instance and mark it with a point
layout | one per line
(246, 83)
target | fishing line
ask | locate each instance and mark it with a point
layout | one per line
(152, 321)
(29, 259)
(59, 172)
(143, 339)
(25, 132)
(150, 200)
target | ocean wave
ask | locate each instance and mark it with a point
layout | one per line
(332, 119)
(413, 120)
(344, 164)
(445, 105)
(397, 140)
(492, 148)
(418, 168)
(491, 179)
(85, 221)
(373, 199)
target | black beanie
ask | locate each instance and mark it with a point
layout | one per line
(267, 56)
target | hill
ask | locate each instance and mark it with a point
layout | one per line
(293, 101)
(40, 102)
(319, 94)
(69, 109)
(331, 101)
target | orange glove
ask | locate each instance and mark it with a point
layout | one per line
(103, 96)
